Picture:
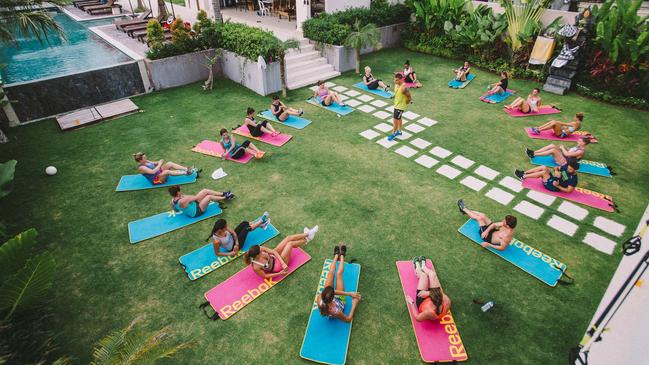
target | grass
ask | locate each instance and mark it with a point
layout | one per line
(385, 207)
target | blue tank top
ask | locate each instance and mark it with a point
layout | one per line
(150, 177)
(190, 211)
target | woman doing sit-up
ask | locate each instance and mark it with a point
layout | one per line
(234, 150)
(228, 242)
(531, 104)
(271, 262)
(431, 303)
(281, 111)
(409, 75)
(500, 86)
(257, 129)
(371, 82)
(195, 205)
(157, 172)
(331, 301)
(561, 129)
(560, 153)
(462, 72)
(326, 96)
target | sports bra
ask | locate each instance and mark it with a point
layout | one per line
(323, 92)
(337, 307)
(228, 144)
(533, 102)
(277, 108)
(227, 242)
(369, 78)
(268, 266)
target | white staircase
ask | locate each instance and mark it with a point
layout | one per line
(305, 66)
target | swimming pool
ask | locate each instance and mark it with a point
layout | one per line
(83, 50)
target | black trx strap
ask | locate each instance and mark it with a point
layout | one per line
(204, 306)
(632, 245)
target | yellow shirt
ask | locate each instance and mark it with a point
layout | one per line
(400, 99)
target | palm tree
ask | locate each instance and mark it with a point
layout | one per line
(285, 46)
(162, 9)
(359, 38)
(27, 17)
(129, 346)
(216, 7)
(521, 18)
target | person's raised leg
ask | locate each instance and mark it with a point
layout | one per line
(422, 283)
(292, 111)
(340, 285)
(174, 166)
(433, 280)
(516, 103)
(548, 125)
(481, 218)
(536, 172)
(207, 192)
(203, 203)
(329, 280)
(544, 151)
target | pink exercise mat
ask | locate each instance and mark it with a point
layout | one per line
(549, 134)
(240, 289)
(410, 85)
(544, 110)
(278, 141)
(579, 195)
(212, 148)
(438, 341)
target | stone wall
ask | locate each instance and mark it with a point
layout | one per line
(180, 70)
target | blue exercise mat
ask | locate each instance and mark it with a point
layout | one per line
(203, 261)
(334, 107)
(326, 340)
(292, 120)
(162, 223)
(496, 97)
(527, 258)
(585, 166)
(139, 182)
(379, 92)
(459, 84)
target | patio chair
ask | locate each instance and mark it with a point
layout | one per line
(141, 19)
(264, 7)
(129, 28)
(108, 7)
(84, 4)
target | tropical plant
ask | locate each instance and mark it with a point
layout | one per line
(361, 37)
(433, 14)
(621, 33)
(27, 17)
(285, 46)
(481, 31)
(132, 346)
(155, 35)
(522, 20)
(179, 32)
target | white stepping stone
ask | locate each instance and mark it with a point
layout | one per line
(573, 211)
(410, 115)
(414, 128)
(511, 184)
(462, 161)
(339, 88)
(390, 108)
(562, 225)
(404, 136)
(344, 97)
(426, 161)
(383, 127)
(379, 103)
(531, 210)
(486, 172)
(365, 98)
(385, 143)
(448, 171)
(473, 183)
(427, 122)
(381, 114)
(329, 84)
(440, 152)
(353, 102)
(599, 243)
(370, 134)
(406, 151)
(366, 108)
(420, 143)
(351, 93)
(609, 226)
(540, 197)
(499, 195)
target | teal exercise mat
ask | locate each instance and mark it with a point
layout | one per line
(585, 166)
(527, 258)
(139, 182)
(496, 98)
(380, 92)
(159, 224)
(334, 107)
(292, 121)
(455, 84)
(203, 261)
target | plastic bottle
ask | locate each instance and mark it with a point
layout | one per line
(487, 306)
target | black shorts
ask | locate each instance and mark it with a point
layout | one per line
(409, 78)
(242, 231)
(373, 85)
(397, 114)
(240, 151)
(256, 130)
(418, 300)
(489, 236)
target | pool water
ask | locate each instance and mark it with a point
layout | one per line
(82, 50)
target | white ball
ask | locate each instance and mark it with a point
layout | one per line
(50, 170)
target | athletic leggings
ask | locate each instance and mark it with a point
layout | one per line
(242, 232)
(409, 78)
(240, 150)
(256, 131)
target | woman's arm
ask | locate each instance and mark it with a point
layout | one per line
(234, 235)
(340, 315)
(216, 244)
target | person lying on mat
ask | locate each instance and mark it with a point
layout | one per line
(431, 303)
(462, 72)
(271, 262)
(222, 236)
(560, 153)
(372, 83)
(495, 235)
(235, 150)
(331, 301)
(531, 104)
(257, 129)
(555, 179)
(409, 75)
(561, 130)
(326, 96)
(195, 205)
(500, 86)
(281, 111)
(157, 172)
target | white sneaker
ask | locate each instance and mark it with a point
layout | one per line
(310, 233)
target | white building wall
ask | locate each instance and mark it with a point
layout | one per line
(339, 5)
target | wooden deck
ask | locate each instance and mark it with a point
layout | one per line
(96, 113)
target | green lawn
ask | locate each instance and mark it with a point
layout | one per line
(385, 207)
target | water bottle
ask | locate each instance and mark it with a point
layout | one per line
(487, 306)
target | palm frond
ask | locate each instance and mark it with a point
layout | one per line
(110, 346)
(15, 252)
(23, 20)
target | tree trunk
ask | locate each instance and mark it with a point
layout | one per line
(140, 4)
(282, 74)
(216, 7)
(162, 9)
(358, 61)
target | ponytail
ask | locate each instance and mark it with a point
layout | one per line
(326, 297)
(218, 225)
(436, 296)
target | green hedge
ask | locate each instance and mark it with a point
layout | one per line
(334, 28)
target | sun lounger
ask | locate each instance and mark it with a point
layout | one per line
(92, 10)
(140, 19)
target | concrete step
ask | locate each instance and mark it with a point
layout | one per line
(312, 79)
(563, 72)
(310, 72)
(303, 48)
(296, 67)
(558, 81)
(554, 89)
(301, 56)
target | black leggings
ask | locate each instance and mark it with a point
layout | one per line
(409, 78)
(373, 85)
(242, 232)
(256, 130)
(240, 151)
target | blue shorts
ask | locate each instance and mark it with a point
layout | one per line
(548, 184)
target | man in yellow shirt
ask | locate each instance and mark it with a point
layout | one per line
(401, 100)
